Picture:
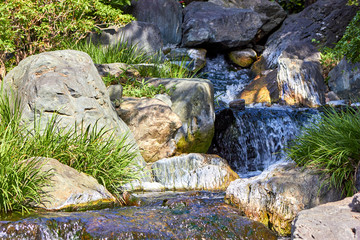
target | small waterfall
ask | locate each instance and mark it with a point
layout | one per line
(227, 80)
(254, 139)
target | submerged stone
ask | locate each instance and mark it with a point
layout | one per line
(206, 218)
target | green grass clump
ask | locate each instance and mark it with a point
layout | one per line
(134, 88)
(20, 182)
(166, 69)
(122, 52)
(87, 149)
(332, 147)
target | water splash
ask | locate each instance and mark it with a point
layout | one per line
(227, 80)
(256, 138)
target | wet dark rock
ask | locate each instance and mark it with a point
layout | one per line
(344, 80)
(208, 23)
(324, 21)
(165, 14)
(238, 104)
(270, 12)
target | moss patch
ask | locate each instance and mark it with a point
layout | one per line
(195, 143)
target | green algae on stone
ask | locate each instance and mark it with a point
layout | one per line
(196, 142)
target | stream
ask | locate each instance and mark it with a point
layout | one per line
(251, 141)
(169, 215)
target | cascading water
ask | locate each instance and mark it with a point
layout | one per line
(253, 139)
(227, 80)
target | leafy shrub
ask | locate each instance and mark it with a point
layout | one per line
(90, 150)
(291, 6)
(29, 26)
(331, 146)
(349, 44)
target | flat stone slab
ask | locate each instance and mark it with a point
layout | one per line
(331, 221)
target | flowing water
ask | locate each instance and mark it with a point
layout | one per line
(189, 215)
(226, 79)
(251, 140)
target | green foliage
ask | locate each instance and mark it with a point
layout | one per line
(29, 26)
(291, 6)
(123, 52)
(353, 2)
(166, 69)
(331, 146)
(85, 148)
(134, 88)
(117, 3)
(349, 44)
(20, 181)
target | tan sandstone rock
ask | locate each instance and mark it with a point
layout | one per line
(154, 125)
(244, 58)
(277, 195)
(70, 189)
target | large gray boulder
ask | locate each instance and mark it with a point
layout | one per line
(70, 189)
(300, 77)
(277, 195)
(145, 36)
(153, 124)
(165, 14)
(193, 172)
(331, 221)
(270, 12)
(67, 83)
(325, 21)
(208, 23)
(344, 80)
(193, 101)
